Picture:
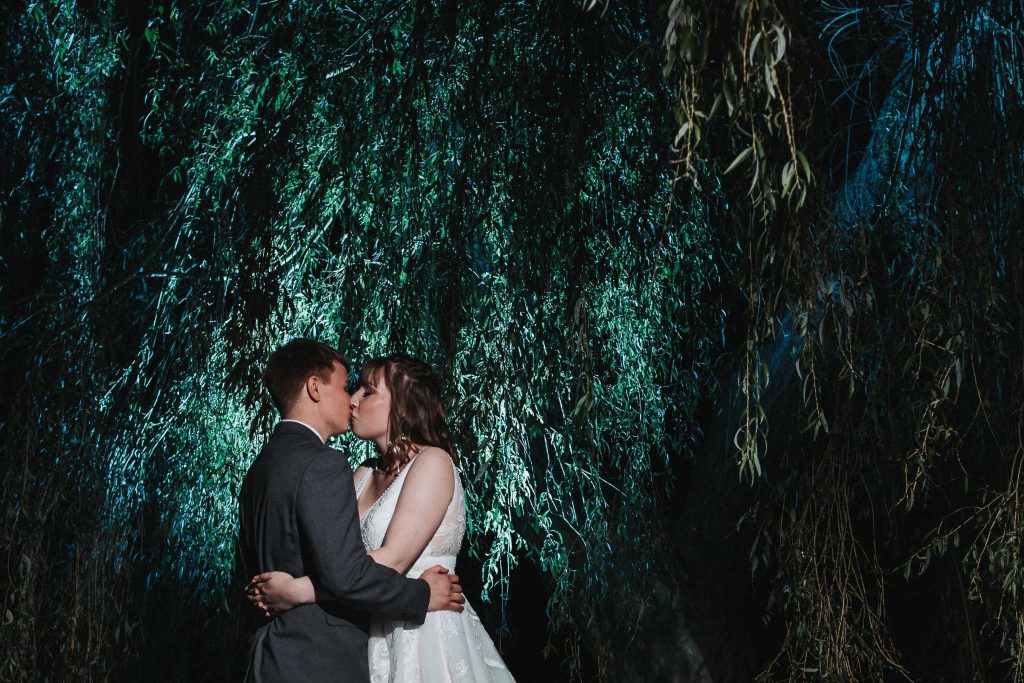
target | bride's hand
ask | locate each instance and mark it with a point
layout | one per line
(277, 592)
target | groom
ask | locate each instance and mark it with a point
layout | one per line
(298, 514)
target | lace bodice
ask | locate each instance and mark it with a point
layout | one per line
(444, 545)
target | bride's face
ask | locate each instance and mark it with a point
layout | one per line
(371, 407)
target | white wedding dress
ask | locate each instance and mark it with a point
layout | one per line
(448, 646)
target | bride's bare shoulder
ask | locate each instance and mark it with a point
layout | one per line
(433, 454)
(432, 462)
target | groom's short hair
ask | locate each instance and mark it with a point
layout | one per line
(292, 364)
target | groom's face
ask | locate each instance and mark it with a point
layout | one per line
(335, 399)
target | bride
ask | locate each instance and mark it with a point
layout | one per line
(412, 516)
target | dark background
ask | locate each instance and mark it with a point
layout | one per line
(726, 299)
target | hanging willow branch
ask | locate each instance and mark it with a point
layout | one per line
(881, 314)
(382, 177)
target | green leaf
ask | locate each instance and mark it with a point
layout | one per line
(740, 158)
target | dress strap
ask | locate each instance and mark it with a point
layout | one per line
(408, 466)
(362, 482)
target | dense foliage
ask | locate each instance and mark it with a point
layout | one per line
(873, 161)
(761, 362)
(189, 186)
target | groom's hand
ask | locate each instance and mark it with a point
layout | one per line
(445, 590)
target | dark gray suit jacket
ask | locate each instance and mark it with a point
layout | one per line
(298, 514)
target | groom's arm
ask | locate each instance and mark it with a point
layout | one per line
(329, 524)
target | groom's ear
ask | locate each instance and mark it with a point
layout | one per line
(313, 388)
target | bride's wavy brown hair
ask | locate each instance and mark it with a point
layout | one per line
(417, 415)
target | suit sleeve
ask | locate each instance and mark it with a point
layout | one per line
(328, 522)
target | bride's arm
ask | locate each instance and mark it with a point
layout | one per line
(428, 489)
(276, 592)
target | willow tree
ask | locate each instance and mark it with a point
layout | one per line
(188, 185)
(759, 362)
(872, 161)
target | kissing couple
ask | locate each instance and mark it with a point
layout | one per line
(353, 572)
